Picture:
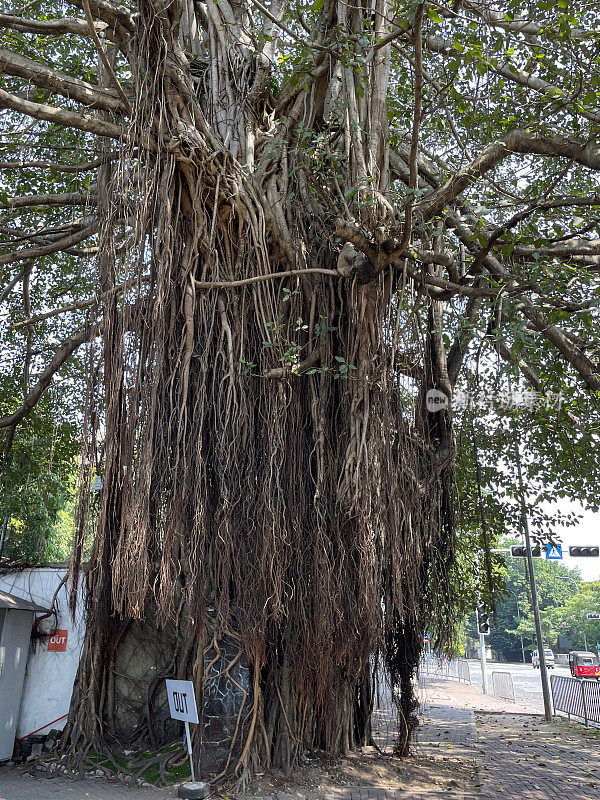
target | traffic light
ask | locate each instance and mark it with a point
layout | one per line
(483, 622)
(583, 552)
(520, 551)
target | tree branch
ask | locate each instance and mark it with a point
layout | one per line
(66, 85)
(90, 301)
(59, 116)
(53, 247)
(66, 349)
(115, 16)
(523, 25)
(280, 24)
(103, 56)
(62, 199)
(425, 279)
(87, 166)
(517, 141)
(540, 322)
(461, 343)
(542, 87)
(11, 284)
(416, 127)
(564, 250)
(444, 46)
(53, 27)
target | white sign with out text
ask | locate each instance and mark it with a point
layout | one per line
(182, 701)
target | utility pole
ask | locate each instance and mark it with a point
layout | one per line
(534, 596)
(483, 663)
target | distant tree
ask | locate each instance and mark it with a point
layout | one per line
(38, 461)
(574, 613)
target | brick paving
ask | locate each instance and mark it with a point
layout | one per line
(447, 726)
(519, 755)
(18, 785)
(366, 793)
(529, 759)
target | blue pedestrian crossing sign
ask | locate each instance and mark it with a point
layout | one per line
(553, 552)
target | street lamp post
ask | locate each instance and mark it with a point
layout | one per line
(578, 587)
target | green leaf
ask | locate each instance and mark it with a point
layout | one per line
(433, 15)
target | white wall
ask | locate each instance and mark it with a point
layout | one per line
(50, 675)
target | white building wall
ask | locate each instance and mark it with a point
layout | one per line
(50, 675)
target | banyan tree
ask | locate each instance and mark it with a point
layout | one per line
(272, 231)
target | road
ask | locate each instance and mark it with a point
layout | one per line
(526, 680)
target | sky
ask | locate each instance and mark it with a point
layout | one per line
(585, 532)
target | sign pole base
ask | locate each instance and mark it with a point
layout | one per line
(193, 790)
(196, 790)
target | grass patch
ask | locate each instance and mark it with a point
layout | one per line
(131, 763)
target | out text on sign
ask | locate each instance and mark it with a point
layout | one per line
(58, 641)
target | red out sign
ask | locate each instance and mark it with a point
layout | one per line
(58, 641)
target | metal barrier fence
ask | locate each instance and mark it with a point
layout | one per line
(464, 671)
(503, 686)
(576, 697)
(445, 668)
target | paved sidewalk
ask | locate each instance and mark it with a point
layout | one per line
(529, 759)
(442, 725)
(18, 785)
(521, 757)
(362, 793)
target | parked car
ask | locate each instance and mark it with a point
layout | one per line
(548, 656)
(584, 665)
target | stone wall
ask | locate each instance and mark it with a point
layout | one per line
(226, 704)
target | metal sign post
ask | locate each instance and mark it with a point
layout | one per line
(182, 705)
(188, 740)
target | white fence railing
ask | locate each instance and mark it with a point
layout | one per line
(457, 668)
(464, 671)
(576, 697)
(503, 686)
